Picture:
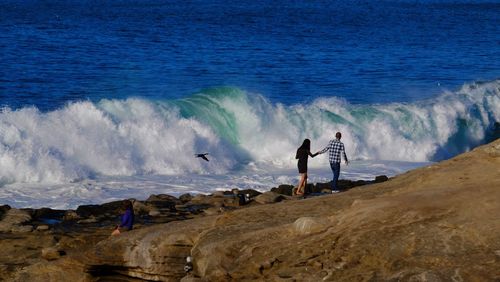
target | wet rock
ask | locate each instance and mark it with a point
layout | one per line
(96, 210)
(47, 213)
(220, 201)
(283, 189)
(323, 186)
(345, 184)
(162, 198)
(184, 198)
(381, 178)
(3, 210)
(310, 188)
(269, 198)
(360, 183)
(243, 199)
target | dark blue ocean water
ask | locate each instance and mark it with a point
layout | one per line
(52, 52)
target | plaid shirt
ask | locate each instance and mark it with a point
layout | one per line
(335, 147)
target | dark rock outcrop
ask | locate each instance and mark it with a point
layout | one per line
(283, 189)
(3, 210)
(269, 198)
(107, 209)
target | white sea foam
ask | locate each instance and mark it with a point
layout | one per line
(104, 189)
(125, 147)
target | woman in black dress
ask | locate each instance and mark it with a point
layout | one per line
(303, 153)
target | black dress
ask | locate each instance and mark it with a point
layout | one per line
(302, 155)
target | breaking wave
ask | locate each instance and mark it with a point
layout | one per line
(237, 128)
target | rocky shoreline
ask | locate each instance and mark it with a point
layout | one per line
(70, 231)
(60, 232)
(438, 223)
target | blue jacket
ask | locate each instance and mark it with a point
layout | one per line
(127, 219)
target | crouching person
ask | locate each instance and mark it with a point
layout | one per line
(127, 218)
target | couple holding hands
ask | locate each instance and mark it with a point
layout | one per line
(336, 149)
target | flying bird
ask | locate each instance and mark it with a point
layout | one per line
(203, 156)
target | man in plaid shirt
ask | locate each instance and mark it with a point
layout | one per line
(336, 148)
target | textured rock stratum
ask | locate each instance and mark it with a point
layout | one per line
(436, 223)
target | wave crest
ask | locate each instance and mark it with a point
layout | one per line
(135, 136)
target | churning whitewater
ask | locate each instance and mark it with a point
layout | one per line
(241, 131)
(140, 137)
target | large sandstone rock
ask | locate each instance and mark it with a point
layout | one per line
(438, 223)
(156, 253)
(60, 270)
(20, 250)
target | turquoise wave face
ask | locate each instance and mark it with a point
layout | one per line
(434, 129)
(213, 107)
(237, 129)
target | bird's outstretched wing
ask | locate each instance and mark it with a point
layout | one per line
(203, 156)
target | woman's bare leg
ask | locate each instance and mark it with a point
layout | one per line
(302, 183)
(297, 190)
(299, 185)
(303, 189)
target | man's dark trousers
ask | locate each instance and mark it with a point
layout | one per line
(336, 172)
